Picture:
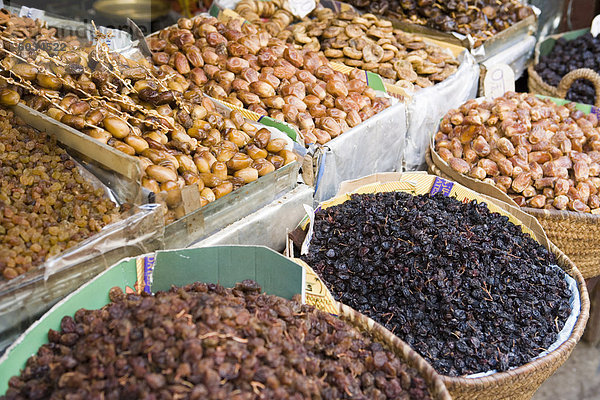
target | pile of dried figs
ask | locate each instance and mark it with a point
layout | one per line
(463, 286)
(207, 342)
(372, 44)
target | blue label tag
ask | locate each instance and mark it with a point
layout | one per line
(442, 186)
(148, 269)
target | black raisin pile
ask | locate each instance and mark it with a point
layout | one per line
(462, 285)
(207, 342)
(568, 55)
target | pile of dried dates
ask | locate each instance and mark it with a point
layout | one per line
(481, 19)
(542, 154)
(249, 68)
(463, 286)
(207, 342)
(569, 55)
(46, 205)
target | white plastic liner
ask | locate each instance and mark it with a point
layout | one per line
(430, 104)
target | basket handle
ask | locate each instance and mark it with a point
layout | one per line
(581, 73)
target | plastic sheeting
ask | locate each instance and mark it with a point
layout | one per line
(272, 222)
(376, 145)
(429, 105)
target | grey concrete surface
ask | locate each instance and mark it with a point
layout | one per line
(577, 379)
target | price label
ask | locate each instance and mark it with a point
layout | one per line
(499, 79)
(300, 8)
(32, 13)
(595, 28)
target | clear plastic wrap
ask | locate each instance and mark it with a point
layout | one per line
(376, 145)
(429, 105)
(25, 297)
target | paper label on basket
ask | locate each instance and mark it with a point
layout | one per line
(499, 79)
(32, 13)
(300, 8)
(595, 28)
(144, 269)
(441, 185)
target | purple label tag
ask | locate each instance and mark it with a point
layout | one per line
(148, 268)
(441, 186)
(595, 110)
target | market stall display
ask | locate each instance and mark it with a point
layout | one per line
(566, 66)
(414, 254)
(249, 68)
(480, 19)
(227, 128)
(537, 154)
(208, 340)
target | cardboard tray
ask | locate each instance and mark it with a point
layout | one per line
(225, 265)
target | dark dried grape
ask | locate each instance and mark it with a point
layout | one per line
(463, 286)
(569, 55)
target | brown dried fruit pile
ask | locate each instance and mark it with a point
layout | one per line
(542, 154)
(372, 44)
(249, 68)
(204, 341)
(46, 206)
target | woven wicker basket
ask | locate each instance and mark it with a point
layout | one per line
(434, 382)
(576, 234)
(518, 384)
(521, 383)
(537, 85)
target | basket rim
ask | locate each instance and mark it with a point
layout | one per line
(551, 358)
(435, 383)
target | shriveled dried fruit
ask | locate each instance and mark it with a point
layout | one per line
(205, 341)
(463, 286)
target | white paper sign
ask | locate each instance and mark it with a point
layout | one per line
(499, 79)
(300, 8)
(595, 28)
(32, 13)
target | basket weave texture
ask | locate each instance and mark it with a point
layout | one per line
(576, 234)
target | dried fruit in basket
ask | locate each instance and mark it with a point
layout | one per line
(530, 148)
(463, 286)
(205, 341)
(569, 55)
